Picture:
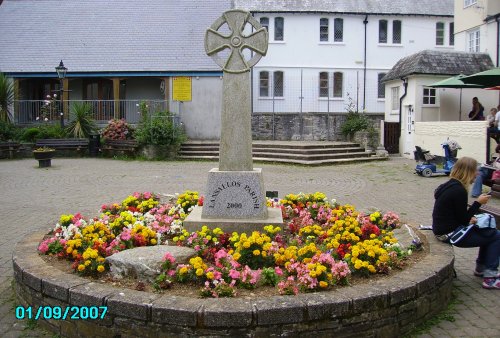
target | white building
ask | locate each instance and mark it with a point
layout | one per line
(321, 53)
(477, 27)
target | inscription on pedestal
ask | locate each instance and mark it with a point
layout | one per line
(237, 194)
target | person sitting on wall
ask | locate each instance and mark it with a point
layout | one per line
(450, 213)
(476, 114)
(486, 173)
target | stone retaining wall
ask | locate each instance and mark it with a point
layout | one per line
(382, 307)
(303, 126)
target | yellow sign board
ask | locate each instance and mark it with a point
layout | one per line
(181, 88)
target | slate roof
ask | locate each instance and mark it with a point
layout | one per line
(106, 35)
(387, 7)
(440, 63)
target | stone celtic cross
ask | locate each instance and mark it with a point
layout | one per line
(235, 152)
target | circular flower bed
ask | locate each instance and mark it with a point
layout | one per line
(320, 246)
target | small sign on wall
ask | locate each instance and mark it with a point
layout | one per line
(181, 88)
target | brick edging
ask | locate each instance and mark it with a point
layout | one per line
(387, 307)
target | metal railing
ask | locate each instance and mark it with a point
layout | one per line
(31, 111)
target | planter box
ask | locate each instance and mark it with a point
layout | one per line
(158, 152)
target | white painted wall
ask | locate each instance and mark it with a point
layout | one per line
(471, 135)
(302, 50)
(201, 116)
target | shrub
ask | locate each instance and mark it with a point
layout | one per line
(355, 121)
(82, 124)
(42, 132)
(6, 98)
(117, 130)
(8, 131)
(159, 129)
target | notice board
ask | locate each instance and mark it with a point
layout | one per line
(181, 88)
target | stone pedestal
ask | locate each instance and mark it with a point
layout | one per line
(235, 194)
(234, 201)
(195, 221)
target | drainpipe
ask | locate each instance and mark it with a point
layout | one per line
(498, 39)
(405, 86)
(365, 22)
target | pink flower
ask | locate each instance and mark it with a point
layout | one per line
(168, 257)
(234, 274)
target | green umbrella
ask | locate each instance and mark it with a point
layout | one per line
(488, 78)
(455, 82)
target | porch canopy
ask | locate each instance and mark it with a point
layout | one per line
(455, 82)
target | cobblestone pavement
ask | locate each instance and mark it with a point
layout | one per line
(33, 198)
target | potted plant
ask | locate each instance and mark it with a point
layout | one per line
(44, 155)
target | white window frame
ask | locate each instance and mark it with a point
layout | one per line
(271, 84)
(327, 29)
(395, 98)
(468, 3)
(429, 93)
(440, 30)
(474, 41)
(341, 22)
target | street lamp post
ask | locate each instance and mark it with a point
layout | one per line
(61, 74)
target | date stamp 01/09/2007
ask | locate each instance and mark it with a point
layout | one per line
(61, 313)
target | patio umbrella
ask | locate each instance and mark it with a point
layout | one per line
(455, 82)
(488, 78)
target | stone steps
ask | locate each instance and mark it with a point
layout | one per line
(293, 152)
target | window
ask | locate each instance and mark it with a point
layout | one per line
(439, 33)
(264, 84)
(451, 38)
(264, 22)
(323, 29)
(381, 86)
(279, 26)
(396, 31)
(468, 3)
(429, 96)
(323, 84)
(338, 27)
(382, 31)
(338, 80)
(473, 38)
(395, 98)
(278, 84)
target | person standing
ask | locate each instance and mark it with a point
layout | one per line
(451, 213)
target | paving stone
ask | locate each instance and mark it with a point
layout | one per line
(90, 182)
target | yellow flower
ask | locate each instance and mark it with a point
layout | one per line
(210, 275)
(256, 252)
(69, 250)
(323, 284)
(81, 267)
(100, 268)
(199, 272)
(87, 263)
(183, 270)
(153, 241)
(236, 256)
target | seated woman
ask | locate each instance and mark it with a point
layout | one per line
(450, 212)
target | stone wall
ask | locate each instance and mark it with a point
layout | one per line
(303, 127)
(382, 307)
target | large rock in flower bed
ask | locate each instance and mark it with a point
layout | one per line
(144, 262)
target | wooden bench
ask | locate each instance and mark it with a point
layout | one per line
(10, 148)
(80, 145)
(116, 147)
(495, 186)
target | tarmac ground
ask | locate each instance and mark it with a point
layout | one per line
(33, 198)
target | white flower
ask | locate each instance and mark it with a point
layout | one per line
(46, 119)
(55, 95)
(38, 118)
(48, 96)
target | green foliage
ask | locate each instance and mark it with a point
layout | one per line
(355, 120)
(82, 123)
(158, 129)
(42, 132)
(6, 98)
(8, 131)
